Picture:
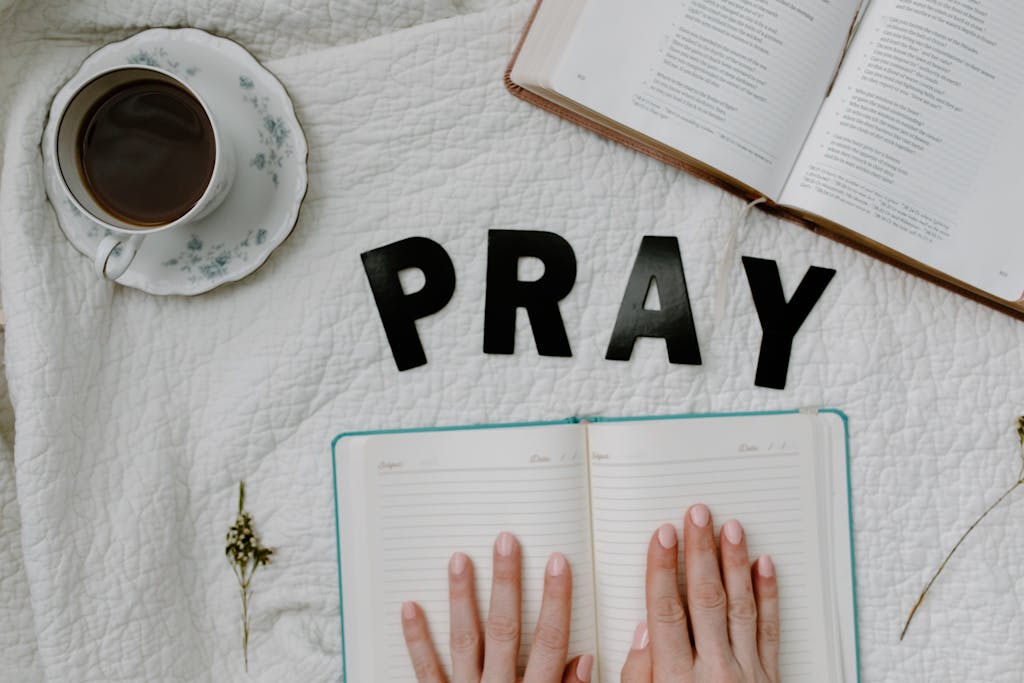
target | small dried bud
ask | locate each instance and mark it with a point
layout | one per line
(245, 553)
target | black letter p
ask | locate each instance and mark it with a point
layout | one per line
(400, 311)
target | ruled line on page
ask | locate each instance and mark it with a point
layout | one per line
(636, 488)
(424, 514)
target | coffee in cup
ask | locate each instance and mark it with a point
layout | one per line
(146, 152)
(140, 152)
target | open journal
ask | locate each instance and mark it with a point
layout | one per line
(595, 490)
(893, 125)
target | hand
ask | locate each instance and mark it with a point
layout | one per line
(492, 658)
(735, 627)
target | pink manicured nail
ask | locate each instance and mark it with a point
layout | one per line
(667, 536)
(556, 564)
(505, 544)
(640, 638)
(457, 564)
(408, 610)
(700, 515)
(584, 667)
(733, 531)
(765, 567)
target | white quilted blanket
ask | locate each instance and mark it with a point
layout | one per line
(135, 416)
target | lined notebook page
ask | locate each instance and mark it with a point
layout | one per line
(757, 469)
(429, 494)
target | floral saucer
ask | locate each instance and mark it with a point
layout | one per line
(260, 210)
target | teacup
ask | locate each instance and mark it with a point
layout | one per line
(140, 152)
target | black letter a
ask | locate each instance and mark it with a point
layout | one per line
(658, 262)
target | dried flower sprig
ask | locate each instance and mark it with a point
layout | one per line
(1013, 487)
(246, 554)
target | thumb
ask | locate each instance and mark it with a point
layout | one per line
(637, 668)
(579, 669)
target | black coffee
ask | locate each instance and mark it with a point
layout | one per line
(147, 152)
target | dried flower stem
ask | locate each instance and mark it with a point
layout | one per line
(1020, 480)
(246, 554)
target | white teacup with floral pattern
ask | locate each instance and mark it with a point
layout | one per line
(117, 250)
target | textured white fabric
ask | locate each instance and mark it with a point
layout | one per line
(135, 416)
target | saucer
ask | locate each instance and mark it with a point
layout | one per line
(257, 116)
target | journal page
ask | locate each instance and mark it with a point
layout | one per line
(731, 83)
(409, 500)
(760, 470)
(919, 145)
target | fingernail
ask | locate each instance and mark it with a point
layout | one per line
(505, 544)
(584, 667)
(457, 564)
(556, 564)
(733, 531)
(408, 610)
(640, 638)
(765, 567)
(667, 536)
(700, 515)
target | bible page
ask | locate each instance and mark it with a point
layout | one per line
(759, 469)
(407, 501)
(733, 84)
(919, 145)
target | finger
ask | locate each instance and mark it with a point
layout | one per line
(578, 670)
(465, 641)
(637, 668)
(501, 634)
(766, 590)
(671, 654)
(705, 595)
(550, 644)
(421, 648)
(742, 610)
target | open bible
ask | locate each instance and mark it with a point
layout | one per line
(892, 125)
(595, 490)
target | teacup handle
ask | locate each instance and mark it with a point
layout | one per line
(113, 267)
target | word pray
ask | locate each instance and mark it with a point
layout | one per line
(658, 264)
